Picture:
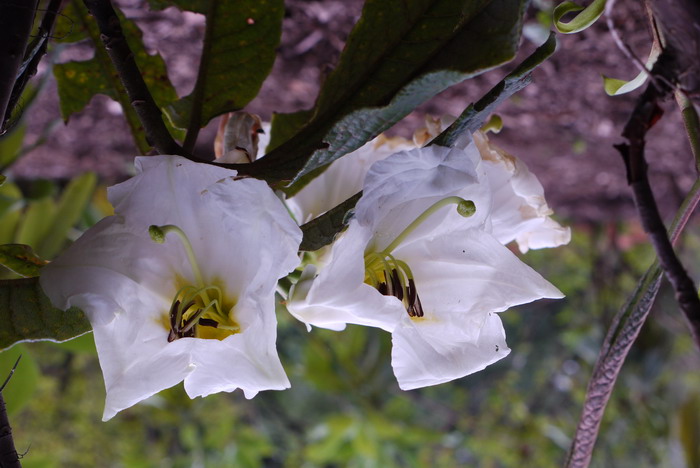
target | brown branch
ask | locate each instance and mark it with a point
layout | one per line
(16, 18)
(118, 49)
(645, 114)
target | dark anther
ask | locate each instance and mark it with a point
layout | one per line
(382, 288)
(205, 322)
(396, 283)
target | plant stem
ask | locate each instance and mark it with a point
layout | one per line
(130, 75)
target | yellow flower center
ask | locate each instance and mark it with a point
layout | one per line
(200, 310)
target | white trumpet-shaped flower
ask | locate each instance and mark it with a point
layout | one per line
(419, 259)
(519, 210)
(180, 283)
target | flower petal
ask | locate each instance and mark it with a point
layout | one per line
(338, 295)
(398, 189)
(417, 363)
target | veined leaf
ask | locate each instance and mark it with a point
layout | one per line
(21, 259)
(322, 230)
(78, 82)
(400, 53)
(27, 315)
(238, 52)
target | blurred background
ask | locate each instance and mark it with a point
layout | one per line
(344, 407)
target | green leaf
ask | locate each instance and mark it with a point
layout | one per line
(22, 385)
(71, 205)
(21, 259)
(582, 21)
(27, 315)
(285, 126)
(239, 49)
(36, 222)
(400, 53)
(615, 87)
(476, 114)
(11, 145)
(689, 430)
(78, 82)
(11, 202)
(322, 230)
(80, 344)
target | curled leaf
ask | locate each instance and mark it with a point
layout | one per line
(583, 20)
(615, 87)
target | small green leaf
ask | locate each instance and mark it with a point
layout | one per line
(11, 202)
(399, 54)
(36, 222)
(582, 21)
(80, 344)
(239, 49)
(11, 145)
(27, 315)
(322, 230)
(71, 205)
(615, 87)
(21, 259)
(22, 385)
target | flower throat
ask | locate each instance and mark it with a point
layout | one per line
(393, 277)
(197, 311)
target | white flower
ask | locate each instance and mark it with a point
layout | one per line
(198, 307)
(343, 178)
(520, 212)
(410, 264)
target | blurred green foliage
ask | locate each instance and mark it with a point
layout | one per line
(345, 408)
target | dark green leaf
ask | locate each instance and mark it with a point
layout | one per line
(476, 114)
(78, 82)
(285, 126)
(21, 259)
(322, 230)
(27, 315)
(11, 145)
(238, 52)
(400, 54)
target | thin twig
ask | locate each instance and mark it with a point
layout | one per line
(12, 372)
(9, 458)
(645, 114)
(118, 49)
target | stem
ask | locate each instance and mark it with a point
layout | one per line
(35, 51)
(16, 18)
(123, 59)
(692, 124)
(420, 219)
(619, 340)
